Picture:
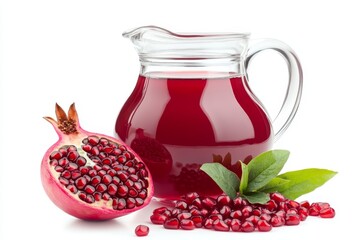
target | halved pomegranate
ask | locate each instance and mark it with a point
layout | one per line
(92, 176)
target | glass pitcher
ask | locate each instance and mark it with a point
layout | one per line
(192, 104)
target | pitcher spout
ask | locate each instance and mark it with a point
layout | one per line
(145, 31)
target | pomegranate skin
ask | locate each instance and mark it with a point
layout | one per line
(64, 198)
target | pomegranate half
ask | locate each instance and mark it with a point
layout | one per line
(92, 176)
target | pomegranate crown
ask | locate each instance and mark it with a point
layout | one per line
(65, 123)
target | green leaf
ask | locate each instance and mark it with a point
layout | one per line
(264, 167)
(227, 180)
(244, 177)
(303, 181)
(257, 197)
(274, 185)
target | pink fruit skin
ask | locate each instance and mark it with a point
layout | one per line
(69, 202)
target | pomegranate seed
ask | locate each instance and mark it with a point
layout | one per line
(86, 147)
(247, 227)
(104, 141)
(237, 202)
(172, 223)
(95, 180)
(181, 205)
(197, 203)
(293, 204)
(271, 205)
(194, 211)
(320, 205)
(208, 224)
(72, 155)
(159, 210)
(190, 197)
(235, 225)
(101, 188)
(72, 188)
(63, 162)
(63, 181)
(63, 151)
(112, 189)
(253, 218)
(101, 173)
(72, 166)
(246, 211)
(158, 218)
(138, 186)
(263, 226)
(277, 221)
(257, 212)
(175, 212)
(139, 201)
(142, 194)
(220, 225)
(115, 202)
(89, 198)
(106, 196)
(305, 204)
(89, 189)
(313, 211)
(303, 213)
(223, 200)
(129, 183)
(97, 196)
(106, 179)
(97, 167)
(225, 211)
(209, 203)
(281, 213)
(198, 221)
(277, 197)
(80, 182)
(216, 217)
(130, 203)
(142, 230)
(237, 214)
(66, 174)
(121, 204)
(292, 211)
(204, 212)
(133, 192)
(55, 155)
(82, 195)
(93, 140)
(187, 224)
(327, 213)
(184, 215)
(292, 219)
(265, 216)
(81, 161)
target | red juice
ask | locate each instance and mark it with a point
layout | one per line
(177, 124)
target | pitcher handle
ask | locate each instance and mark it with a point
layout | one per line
(294, 89)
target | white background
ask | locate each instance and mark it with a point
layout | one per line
(73, 51)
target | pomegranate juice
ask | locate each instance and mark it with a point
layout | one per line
(177, 124)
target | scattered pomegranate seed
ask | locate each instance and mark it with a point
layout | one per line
(158, 218)
(263, 226)
(220, 225)
(238, 215)
(141, 230)
(327, 213)
(172, 223)
(187, 224)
